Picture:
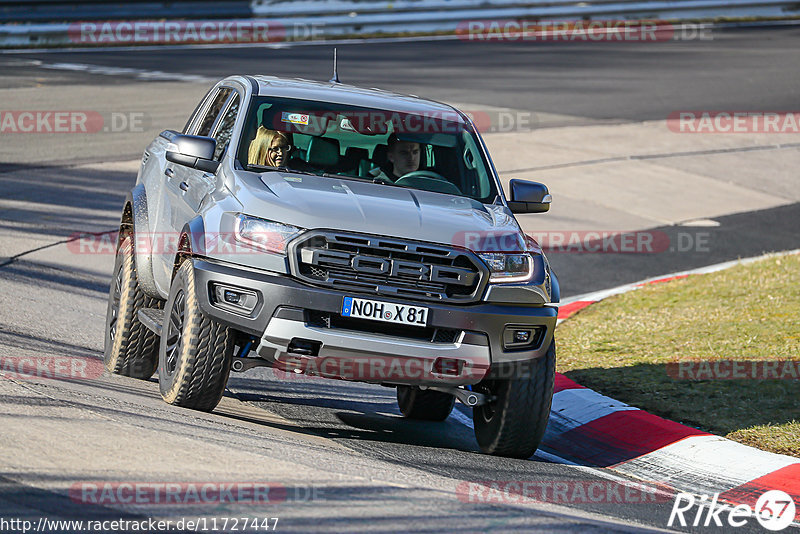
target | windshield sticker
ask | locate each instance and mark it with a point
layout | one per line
(295, 118)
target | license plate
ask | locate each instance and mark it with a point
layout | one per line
(387, 312)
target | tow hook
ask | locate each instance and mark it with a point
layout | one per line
(240, 365)
(470, 398)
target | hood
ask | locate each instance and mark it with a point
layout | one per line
(316, 202)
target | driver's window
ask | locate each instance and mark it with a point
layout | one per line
(196, 113)
(225, 128)
(213, 110)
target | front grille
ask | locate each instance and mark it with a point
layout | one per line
(332, 320)
(384, 266)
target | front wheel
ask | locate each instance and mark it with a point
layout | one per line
(513, 424)
(195, 355)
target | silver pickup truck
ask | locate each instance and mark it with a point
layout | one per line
(341, 232)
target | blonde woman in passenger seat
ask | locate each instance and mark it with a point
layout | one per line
(270, 147)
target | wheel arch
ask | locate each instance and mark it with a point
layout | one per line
(191, 242)
(135, 221)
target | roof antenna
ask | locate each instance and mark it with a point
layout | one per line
(335, 78)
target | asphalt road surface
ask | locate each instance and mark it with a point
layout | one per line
(375, 471)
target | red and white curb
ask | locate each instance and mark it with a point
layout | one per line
(590, 429)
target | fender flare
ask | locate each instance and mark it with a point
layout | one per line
(136, 209)
(192, 241)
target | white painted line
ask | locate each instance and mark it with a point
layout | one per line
(700, 223)
(117, 71)
(577, 407)
(603, 294)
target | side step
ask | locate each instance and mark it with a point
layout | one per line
(152, 318)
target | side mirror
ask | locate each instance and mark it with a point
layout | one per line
(194, 151)
(529, 197)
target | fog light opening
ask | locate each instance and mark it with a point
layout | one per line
(235, 299)
(521, 337)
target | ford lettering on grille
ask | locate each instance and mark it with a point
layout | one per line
(384, 266)
(393, 268)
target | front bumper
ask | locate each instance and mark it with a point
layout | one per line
(281, 320)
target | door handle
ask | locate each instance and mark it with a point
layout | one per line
(169, 173)
(184, 186)
(209, 175)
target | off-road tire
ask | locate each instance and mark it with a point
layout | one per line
(425, 405)
(514, 423)
(130, 348)
(194, 358)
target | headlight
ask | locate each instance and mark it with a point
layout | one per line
(264, 235)
(508, 267)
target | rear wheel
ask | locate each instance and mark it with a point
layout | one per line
(425, 405)
(513, 424)
(130, 348)
(196, 351)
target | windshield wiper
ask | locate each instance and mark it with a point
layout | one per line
(286, 169)
(254, 167)
(323, 174)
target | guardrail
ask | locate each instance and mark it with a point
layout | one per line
(27, 11)
(442, 15)
(337, 18)
(356, 8)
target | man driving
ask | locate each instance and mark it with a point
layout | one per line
(403, 158)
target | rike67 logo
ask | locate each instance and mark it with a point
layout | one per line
(774, 510)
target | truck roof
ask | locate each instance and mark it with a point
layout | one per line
(339, 93)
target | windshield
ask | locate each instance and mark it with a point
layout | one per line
(428, 151)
